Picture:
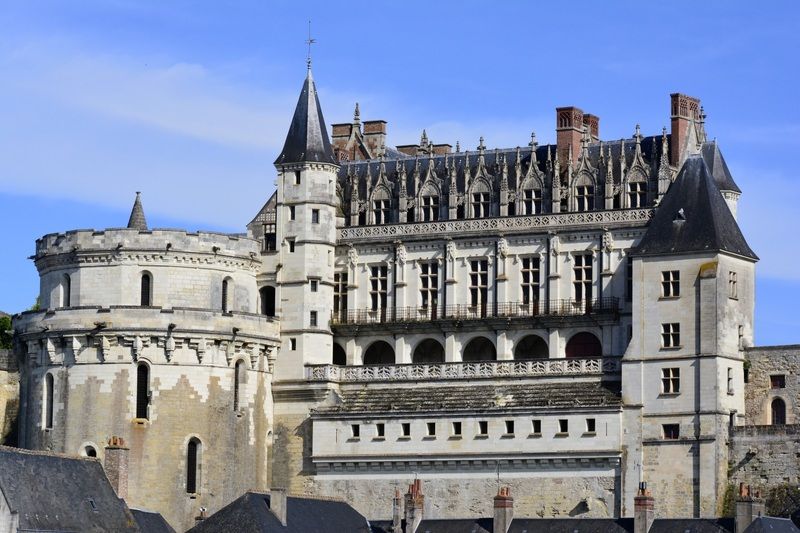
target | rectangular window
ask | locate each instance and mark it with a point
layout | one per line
(483, 428)
(355, 431)
(582, 277)
(530, 280)
(340, 294)
(777, 381)
(741, 337)
(378, 287)
(531, 201)
(292, 344)
(536, 427)
(430, 208)
(380, 430)
(670, 284)
(314, 285)
(456, 429)
(431, 429)
(637, 194)
(479, 284)
(563, 426)
(291, 212)
(380, 211)
(313, 319)
(733, 291)
(290, 242)
(480, 204)
(670, 380)
(629, 279)
(670, 335)
(429, 286)
(509, 427)
(297, 177)
(591, 425)
(671, 431)
(315, 216)
(405, 429)
(584, 198)
(730, 380)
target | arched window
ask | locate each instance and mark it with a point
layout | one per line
(637, 191)
(193, 465)
(778, 408)
(381, 206)
(584, 344)
(238, 380)
(379, 353)
(480, 349)
(66, 300)
(480, 200)
(584, 193)
(339, 355)
(227, 295)
(48, 401)
(267, 300)
(429, 203)
(428, 351)
(530, 198)
(146, 293)
(142, 390)
(531, 347)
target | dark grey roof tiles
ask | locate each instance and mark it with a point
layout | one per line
(151, 522)
(693, 217)
(59, 493)
(693, 525)
(307, 140)
(137, 220)
(476, 397)
(251, 512)
(573, 525)
(718, 167)
(765, 524)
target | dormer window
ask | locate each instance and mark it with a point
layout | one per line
(531, 201)
(480, 204)
(430, 208)
(584, 198)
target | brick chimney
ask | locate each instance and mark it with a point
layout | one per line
(116, 465)
(397, 512)
(683, 111)
(569, 132)
(375, 136)
(749, 506)
(593, 123)
(503, 510)
(415, 503)
(643, 509)
(278, 504)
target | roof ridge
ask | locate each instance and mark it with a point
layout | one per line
(46, 453)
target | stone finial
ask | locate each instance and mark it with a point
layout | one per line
(481, 146)
(137, 219)
(458, 146)
(534, 143)
(357, 115)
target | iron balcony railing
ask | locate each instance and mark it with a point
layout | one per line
(551, 308)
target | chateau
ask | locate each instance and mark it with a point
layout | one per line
(571, 319)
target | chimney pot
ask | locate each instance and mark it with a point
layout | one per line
(503, 510)
(115, 464)
(278, 504)
(749, 506)
(643, 509)
(415, 504)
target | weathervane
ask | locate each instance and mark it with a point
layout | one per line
(309, 42)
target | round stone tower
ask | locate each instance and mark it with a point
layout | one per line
(153, 336)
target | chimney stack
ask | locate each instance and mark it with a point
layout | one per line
(116, 465)
(643, 509)
(593, 123)
(503, 511)
(415, 503)
(375, 136)
(684, 110)
(278, 504)
(749, 506)
(397, 512)
(569, 132)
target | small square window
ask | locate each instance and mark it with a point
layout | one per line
(509, 427)
(670, 284)
(315, 216)
(483, 428)
(671, 431)
(355, 431)
(563, 425)
(380, 430)
(292, 344)
(591, 425)
(405, 429)
(431, 427)
(670, 380)
(777, 381)
(314, 285)
(313, 319)
(291, 213)
(536, 427)
(456, 429)
(671, 335)
(297, 177)
(290, 242)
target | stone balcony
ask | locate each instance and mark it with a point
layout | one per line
(466, 370)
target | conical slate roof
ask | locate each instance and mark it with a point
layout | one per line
(693, 217)
(718, 167)
(307, 140)
(137, 220)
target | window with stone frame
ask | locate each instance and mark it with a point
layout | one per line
(670, 380)
(584, 198)
(529, 272)
(430, 208)
(379, 287)
(312, 319)
(670, 284)
(429, 286)
(671, 431)
(777, 381)
(637, 194)
(629, 279)
(671, 335)
(733, 290)
(480, 204)
(380, 211)
(582, 277)
(479, 283)
(340, 293)
(531, 201)
(315, 216)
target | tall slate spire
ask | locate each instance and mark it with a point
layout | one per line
(137, 220)
(307, 140)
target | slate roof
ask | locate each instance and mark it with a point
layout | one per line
(476, 398)
(151, 522)
(768, 524)
(137, 220)
(251, 512)
(718, 167)
(59, 493)
(307, 140)
(693, 217)
(572, 525)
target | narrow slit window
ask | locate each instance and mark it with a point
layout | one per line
(238, 378)
(142, 391)
(192, 465)
(48, 401)
(146, 293)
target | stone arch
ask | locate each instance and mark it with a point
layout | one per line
(339, 355)
(379, 353)
(777, 410)
(531, 347)
(428, 351)
(479, 349)
(584, 344)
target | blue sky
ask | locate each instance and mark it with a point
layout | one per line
(189, 102)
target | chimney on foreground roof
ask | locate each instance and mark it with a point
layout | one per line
(684, 110)
(569, 132)
(749, 506)
(503, 511)
(643, 509)
(278, 504)
(397, 512)
(415, 503)
(116, 465)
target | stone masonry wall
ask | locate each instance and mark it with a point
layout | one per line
(759, 394)
(9, 395)
(765, 456)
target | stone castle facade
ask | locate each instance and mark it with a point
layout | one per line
(572, 318)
